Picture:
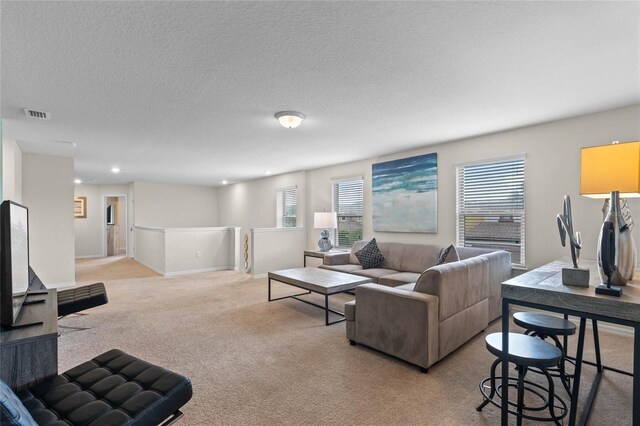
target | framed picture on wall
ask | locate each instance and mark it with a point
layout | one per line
(405, 195)
(80, 207)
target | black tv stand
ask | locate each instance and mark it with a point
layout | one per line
(29, 348)
(19, 326)
(33, 302)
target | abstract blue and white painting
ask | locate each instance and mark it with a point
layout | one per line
(405, 194)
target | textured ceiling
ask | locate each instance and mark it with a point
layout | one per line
(185, 92)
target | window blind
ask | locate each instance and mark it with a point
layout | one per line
(286, 208)
(348, 204)
(490, 207)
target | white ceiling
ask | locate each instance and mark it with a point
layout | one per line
(186, 92)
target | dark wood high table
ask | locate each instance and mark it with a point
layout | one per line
(542, 288)
(29, 355)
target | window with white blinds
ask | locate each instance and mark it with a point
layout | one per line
(347, 203)
(286, 207)
(490, 207)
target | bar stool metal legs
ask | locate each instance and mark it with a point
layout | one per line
(528, 352)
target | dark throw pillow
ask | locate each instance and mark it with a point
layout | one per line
(370, 255)
(448, 255)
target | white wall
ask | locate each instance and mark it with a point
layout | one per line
(552, 170)
(89, 232)
(150, 248)
(273, 249)
(175, 206)
(172, 251)
(11, 171)
(47, 190)
(252, 204)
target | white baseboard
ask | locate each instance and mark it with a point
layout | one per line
(90, 256)
(195, 271)
(154, 269)
(602, 325)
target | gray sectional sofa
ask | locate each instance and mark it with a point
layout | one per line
(418, 311)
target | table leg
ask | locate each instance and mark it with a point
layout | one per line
(505, 363)
(305, 260)
(326, 309)
(596, 344)
(269, 293)
(577, 371)
(636, 376)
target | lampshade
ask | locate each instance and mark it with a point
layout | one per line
(325, 220)
(610, 168)
(290, 119)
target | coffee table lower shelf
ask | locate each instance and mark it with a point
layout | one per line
(319, 281)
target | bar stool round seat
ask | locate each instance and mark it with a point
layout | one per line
(525, 352)
(546, 326)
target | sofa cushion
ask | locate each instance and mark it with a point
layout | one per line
(357, 246)
(392, 253)
(370, 255)
(12, 412)
(418, 257)
(347, 269)
(407, 287)
(400, 278)
(448, 255)
(374, 273)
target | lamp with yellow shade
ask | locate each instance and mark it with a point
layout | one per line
(613, 171)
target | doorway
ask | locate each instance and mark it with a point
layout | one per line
(114, 221)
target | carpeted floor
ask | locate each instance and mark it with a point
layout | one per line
(259, 363)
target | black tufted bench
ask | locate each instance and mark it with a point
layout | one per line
(80, 298)
(114, 388)
(74, 299)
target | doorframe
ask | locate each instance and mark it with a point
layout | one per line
(103, 223)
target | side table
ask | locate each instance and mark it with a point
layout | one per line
(320, 254)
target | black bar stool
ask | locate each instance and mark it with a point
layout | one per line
(525, 352)
(546, 326)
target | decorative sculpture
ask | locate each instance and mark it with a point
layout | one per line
(575, 275)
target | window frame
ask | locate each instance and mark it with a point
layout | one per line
(281, 206)
(514, 214)
(343, 219)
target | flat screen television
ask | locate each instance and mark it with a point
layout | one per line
(14, 260)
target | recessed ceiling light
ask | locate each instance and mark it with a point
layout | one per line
(224, 182)
(290, 119)
(267, 172)
(77, 181)
(115, 170)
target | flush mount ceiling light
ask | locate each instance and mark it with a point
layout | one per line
(224, 182)
(77, 181)
(290, 119)
(115, 170)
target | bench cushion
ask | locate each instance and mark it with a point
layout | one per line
(80, 298)
(112, 389)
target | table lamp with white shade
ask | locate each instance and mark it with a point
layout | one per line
(325, 221)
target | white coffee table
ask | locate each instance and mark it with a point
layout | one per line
(316, 280)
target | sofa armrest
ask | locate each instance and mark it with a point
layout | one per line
(499, 271)
(399, 322)
(336, 258)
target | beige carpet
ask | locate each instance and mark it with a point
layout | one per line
(110, 268)
(259, 363)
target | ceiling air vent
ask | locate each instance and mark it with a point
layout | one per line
(40, 115)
